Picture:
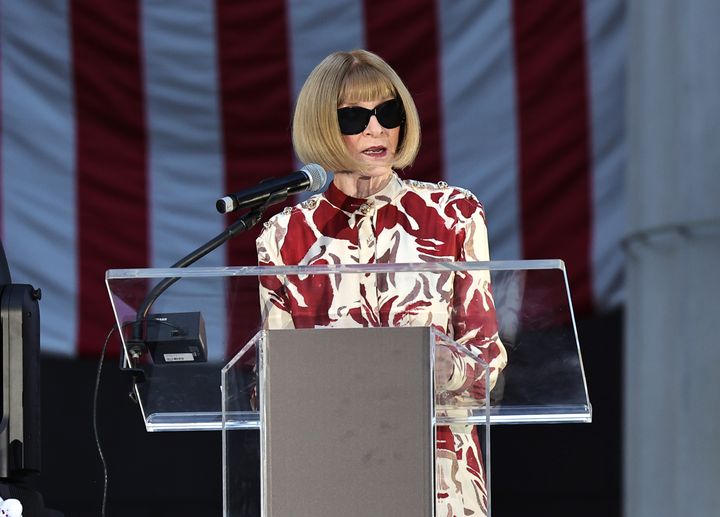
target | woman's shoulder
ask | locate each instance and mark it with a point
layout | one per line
(444, 195)
(441, 187)
(299, 212)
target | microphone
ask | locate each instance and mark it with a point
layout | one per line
(311, 177)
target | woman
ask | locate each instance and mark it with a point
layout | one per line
(356, 117)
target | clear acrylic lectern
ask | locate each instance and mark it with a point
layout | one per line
(348, 419)
(205, 331)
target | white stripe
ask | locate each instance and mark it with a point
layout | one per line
(38, 163)
(318, 28)
(185, 159)
(478, 102)
(607, 48)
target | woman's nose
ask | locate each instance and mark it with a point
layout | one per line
(374, 127)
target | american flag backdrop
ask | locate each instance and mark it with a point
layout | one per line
(122, 121)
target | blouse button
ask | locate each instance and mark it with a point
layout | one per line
(310, 203)
(365, 208)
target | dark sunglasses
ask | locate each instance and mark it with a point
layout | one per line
(354, 120)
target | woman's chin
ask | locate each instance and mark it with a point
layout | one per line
(376, 170)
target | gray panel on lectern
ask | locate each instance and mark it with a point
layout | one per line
(347, 428)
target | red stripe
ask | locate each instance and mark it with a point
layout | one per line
(255, 105)
(111, 155)
(405, 34)
(554, 136)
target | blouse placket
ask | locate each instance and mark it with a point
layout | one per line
(367, 252)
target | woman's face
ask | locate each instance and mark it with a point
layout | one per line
(375, 145)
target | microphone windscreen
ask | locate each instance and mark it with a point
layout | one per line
(317, 176)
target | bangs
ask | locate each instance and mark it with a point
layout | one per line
(364, 83)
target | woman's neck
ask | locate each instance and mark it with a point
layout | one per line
(355, 184)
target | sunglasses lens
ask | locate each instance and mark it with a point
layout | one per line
(354, 120)
(390, 114)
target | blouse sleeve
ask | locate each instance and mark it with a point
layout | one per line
(274, 302)
(474, 323)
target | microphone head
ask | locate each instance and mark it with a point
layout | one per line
(316, 175)
(225, 205)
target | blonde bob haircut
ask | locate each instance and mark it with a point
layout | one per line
(348, 77)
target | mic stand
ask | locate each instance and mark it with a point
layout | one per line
(136, 346)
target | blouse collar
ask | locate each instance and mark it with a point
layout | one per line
(351, 204)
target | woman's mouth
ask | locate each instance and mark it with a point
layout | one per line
(375, 151)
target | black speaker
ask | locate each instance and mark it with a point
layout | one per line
(20, 367)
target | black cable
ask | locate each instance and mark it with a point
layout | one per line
(180, 330)
(94, 419)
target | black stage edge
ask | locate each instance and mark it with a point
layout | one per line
(560, 470)
(569, 469)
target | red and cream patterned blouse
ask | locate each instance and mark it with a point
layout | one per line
(406, 222)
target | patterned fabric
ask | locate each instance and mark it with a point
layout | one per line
(406, 222)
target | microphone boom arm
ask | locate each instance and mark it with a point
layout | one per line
(136, 344)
